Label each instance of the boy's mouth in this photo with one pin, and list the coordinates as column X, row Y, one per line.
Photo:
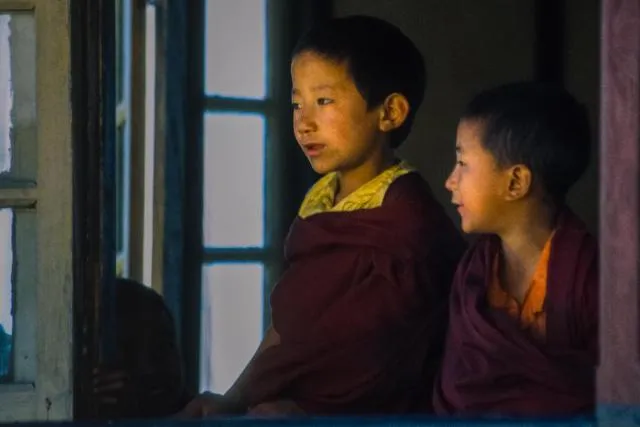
column 312, row 149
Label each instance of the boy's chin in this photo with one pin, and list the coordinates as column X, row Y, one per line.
column 468, row 227
column 321, row 168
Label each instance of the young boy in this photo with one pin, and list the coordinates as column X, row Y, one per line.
column 358, row 315
column 522, row 337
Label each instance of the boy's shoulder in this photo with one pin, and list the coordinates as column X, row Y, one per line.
column 413, row 194
column 412, row 202
column 409, row 186
column 571, row 242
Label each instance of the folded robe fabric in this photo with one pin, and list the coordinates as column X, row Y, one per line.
column 361, row 308
column 493, row 367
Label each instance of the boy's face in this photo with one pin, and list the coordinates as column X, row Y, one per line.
column 331, row 121
column 477, row 183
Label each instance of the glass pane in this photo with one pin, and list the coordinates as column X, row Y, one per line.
column 232, row 326
column 149, row 140
column 17, row 95
column 6, row 293
column 120, row 40
column 235, row 47
column 233, row 180
column 6, row 94
column 120, row 193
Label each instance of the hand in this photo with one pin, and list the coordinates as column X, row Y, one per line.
column 122, row 394
column 276, row 408
column 114, row 391
column 205, row 405
column 108, row 384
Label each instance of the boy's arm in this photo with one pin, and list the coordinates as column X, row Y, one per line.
column 277, row 408
column 235, row 399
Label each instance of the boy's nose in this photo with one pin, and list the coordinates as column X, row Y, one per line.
column 305, row 124
column 450, row 182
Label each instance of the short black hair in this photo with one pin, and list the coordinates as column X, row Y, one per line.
column 142, row 303
column 540, row 125
column 380, row 58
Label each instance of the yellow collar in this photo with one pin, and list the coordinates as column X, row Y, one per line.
column 321, row 196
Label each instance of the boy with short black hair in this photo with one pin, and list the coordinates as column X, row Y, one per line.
column 522, row 337
column 358, row 315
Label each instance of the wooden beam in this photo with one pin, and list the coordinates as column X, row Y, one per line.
column 18, row 402
column 56, row 200
column 18, row 198
column 7, row 6
column 93, row 110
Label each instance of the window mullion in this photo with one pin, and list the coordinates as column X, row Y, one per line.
column 226, row 104
column 18, row 197
column 54, row 254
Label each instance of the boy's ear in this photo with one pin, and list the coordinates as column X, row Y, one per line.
column 519, row 182
column 394, row 112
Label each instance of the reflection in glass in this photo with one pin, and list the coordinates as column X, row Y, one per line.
column 232, row 309
column 149, row 140
column 6, row 93
column 18, row 129
column 235, row 48
column 120, row 40
column 6, row 292
column 233, row 180
column 120, row 191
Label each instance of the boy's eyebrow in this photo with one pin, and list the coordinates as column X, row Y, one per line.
column 322, row 87
column 316, row 88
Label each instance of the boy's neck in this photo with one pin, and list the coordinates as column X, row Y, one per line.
column 522, row 244
column 352, row 179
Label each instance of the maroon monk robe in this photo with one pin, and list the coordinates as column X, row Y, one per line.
column 492, row 367
column 361, row 309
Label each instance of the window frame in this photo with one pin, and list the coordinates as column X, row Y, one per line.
column 49, row 395
column 125, row 11
column 136, row 200
column 287, row 174
column 178, row 171
column 270, row 108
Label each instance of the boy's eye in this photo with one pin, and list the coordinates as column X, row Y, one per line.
column 460, row 163
column 324, row 101
column 295, row 105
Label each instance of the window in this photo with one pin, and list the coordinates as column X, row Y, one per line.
column 35, row 212
column 234, row 208
column 232, row 320
column 6, row 215
column 135, row 161
column 148, row 184
column 123, row 134
column 6, row 288
column 17, row 126
column 238, row 121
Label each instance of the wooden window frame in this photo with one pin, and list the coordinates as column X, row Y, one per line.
column 287, row 173
column 131, row 115
column 46, row 389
